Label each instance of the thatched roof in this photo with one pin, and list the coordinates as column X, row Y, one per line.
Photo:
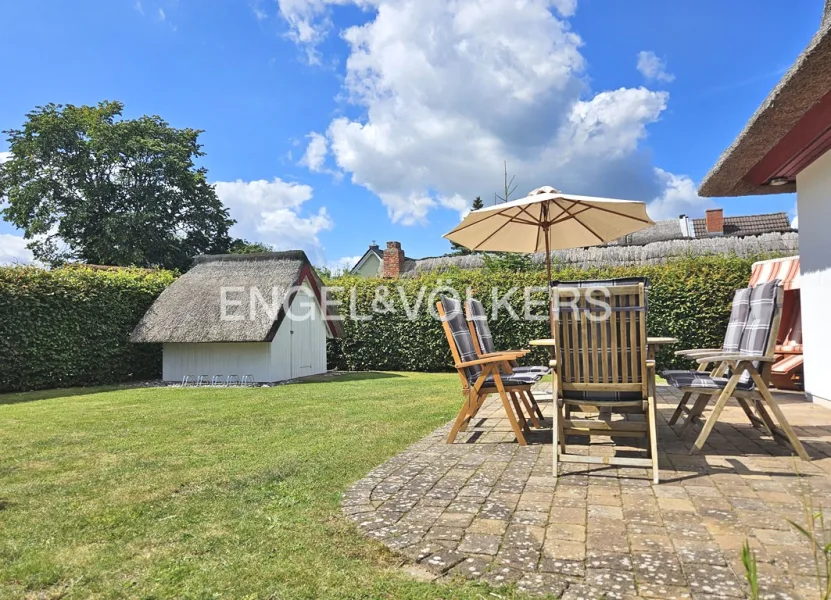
column 189, row 309
column 805, row 84
column 615, row 256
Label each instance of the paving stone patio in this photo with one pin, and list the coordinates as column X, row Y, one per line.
column 486, row 508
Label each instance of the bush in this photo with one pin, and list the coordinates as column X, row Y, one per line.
column 68, row 327
column 689, row 299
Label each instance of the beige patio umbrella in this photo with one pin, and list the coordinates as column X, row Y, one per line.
column 547, row 220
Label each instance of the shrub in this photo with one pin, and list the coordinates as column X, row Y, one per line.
column 70, row 326
column 689, row 299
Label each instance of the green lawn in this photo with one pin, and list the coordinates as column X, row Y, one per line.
column 206, row 493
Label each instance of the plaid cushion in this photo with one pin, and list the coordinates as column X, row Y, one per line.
column 757, row 330
column 608, row 283
column 511, row 380
column 738, row 318
column 601, row 396
column 461, row 335
column 701, row 380
column 476, row 313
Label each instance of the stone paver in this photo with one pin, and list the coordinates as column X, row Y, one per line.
column 486, row 509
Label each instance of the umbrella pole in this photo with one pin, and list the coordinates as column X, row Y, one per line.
column 548, row 281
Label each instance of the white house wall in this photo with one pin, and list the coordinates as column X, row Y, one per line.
column 814, row 208
column 299, row 347
column 240, row 358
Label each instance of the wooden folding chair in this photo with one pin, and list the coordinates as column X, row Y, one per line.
column 749, row 374
column 481, row 376
column 480, row 332
column 602, row 368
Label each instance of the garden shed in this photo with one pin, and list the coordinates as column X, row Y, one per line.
column 250, row 314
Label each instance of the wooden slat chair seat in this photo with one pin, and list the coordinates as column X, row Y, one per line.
column 485, row 375
column 480, row 332
column 602, row 366
column 744, row 374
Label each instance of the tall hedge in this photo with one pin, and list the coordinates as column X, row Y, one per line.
column 69, row 327
column 689, row 299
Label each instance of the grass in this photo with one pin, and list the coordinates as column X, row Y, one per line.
column 207, row 493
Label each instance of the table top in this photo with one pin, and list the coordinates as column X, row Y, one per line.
column 653, row 341
column 660, row 341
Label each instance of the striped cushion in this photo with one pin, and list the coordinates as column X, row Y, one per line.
column 701, row 380
column 461, row 335
column 476, row 313
column 738, row 318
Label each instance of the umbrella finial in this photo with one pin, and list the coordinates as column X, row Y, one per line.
column 546, row 189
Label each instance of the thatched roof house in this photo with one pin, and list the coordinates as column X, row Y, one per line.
column 259, row 314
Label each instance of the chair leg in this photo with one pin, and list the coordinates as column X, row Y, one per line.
column 780, row 416
column 509, row 412
column 534, row 404
column 701, row 402
column 748, row 412
column 680, row 409
column 653, row 439
column 529, row 409
column 713, row 418
column 461, row 418
column 557, row 441
column 523, row 422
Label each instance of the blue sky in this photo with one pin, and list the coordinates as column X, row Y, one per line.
column 332, row 123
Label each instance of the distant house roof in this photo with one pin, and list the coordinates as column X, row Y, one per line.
column 190, row 311
column 748, row 225
column 793, row 112
column 373, row 250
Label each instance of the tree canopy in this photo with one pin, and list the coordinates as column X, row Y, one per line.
column 85, row 184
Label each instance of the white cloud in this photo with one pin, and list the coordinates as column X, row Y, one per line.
column 343, row 264
column 272, row 212
column 678, row 198
column 316, row 152
column 653, row 67
column 447, row 91
column 162, row 16
column 4, row 156
column 13, row 250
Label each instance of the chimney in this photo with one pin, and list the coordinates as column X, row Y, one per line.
column 714, row 220
column 687, row 230
column 393, row 260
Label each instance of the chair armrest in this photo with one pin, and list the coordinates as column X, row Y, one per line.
column 734, row 358
column 691, row 353
column 489, row 354
column 495, row 358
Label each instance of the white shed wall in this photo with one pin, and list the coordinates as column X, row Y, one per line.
column 814, row 208
column 241, row 358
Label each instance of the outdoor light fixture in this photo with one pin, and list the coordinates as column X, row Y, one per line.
column 779, row 181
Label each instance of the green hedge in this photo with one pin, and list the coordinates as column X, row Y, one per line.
column 688, row 299
column 68, row 327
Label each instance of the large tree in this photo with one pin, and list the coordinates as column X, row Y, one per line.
column 85, row 184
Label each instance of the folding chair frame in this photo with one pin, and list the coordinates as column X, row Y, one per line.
column 475, row 394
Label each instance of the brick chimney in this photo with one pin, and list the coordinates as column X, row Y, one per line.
column 714, row 221
column 393, row 260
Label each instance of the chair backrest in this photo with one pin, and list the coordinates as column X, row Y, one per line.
column 458, row 336
column 738, row 319
column 600, row 339
column 479, row 328
column 762, row 326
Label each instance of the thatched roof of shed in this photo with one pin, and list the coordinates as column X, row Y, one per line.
column 805, row 84
column 189, row 310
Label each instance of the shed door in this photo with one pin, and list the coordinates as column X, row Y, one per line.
column 302, row 335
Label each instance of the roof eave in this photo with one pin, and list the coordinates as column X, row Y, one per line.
column 762, row 133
